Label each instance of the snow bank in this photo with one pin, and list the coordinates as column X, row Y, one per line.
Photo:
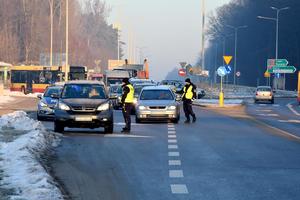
column 20, row 94
column 6, row 99
column 20, row 157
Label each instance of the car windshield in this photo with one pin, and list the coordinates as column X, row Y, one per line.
column 156, row 95
column 264, row 89
column 83, row 91
column 138, row 89
column 52, row 90
column 115, row 89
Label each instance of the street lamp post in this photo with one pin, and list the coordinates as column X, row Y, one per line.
column 235, row 28
column 67, row 41
column 278, row 10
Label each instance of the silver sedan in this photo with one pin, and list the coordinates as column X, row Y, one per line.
column 157, row 103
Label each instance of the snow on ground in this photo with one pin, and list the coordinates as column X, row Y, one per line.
column 215, row 102
column 5, row 99
column 23, row 141
column 19, row 94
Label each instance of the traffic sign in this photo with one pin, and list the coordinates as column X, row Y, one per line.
column 228, row 69
column 281, row 62
column 181, row 72
column 227, row 59
column 221, row 71
column 238, row 74
column 283, row 69
column 183, row 64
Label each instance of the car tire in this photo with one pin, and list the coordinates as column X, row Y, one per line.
column 272, row 101
column 58, row 127
column 109, row 128
column 39, row 118
column 175, row 121
column 255, row 101
column 23, row 90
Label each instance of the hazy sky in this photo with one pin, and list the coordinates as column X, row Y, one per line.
column 168, row 30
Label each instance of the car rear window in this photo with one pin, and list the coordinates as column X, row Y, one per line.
column 156, row 95
column 264, row 89
column 83, row 91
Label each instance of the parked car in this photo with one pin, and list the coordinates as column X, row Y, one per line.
column 47, row 103
column 157, row 103
column 115, row 94
column 83, row 104
column 200, row 93
column 264, row 93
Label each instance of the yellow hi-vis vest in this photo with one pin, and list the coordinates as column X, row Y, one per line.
column 188, row 93
column 130, row 95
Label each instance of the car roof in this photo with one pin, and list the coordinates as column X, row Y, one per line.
column 144, row 84
column 85, row 82
column 157, row 87
column 55, row 86
column 264, row 87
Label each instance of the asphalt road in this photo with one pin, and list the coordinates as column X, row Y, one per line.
column 227, row 154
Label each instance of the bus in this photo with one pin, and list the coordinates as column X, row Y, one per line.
column 31, row 79
column 78, row 73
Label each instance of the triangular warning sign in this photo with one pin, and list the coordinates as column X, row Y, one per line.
column 227, row 59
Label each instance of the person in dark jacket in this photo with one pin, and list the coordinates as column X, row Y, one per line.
column 127, row 103
column 188, row 95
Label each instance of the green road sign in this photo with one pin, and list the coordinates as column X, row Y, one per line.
column 281, row 62
column 283, row 70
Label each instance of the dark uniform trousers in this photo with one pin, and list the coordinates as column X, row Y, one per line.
column 126, row 110
column 188, row 109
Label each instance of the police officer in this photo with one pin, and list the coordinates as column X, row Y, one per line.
column 189, row 93
column 127, row 102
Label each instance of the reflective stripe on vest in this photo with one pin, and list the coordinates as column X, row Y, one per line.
column 130, row 95
column 188, row 94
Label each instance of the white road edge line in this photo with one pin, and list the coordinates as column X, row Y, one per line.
column 289, row 105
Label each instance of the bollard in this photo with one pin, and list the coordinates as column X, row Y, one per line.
column 221, row 99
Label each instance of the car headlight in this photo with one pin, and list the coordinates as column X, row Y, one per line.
column 63, row 106
column 172, row 107
column 103, row 107
column 135, row 100
column 142, row 107
column 43, row 104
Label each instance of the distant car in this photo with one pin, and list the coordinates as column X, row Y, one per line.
column 115, row 94
column 200, row 93
column 47, row 103
column 141, row 81
column 83, row 104
column 175, row 85
column 264, row 93
column 157, row 103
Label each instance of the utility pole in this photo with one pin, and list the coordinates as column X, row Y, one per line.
column 67, row 41
column 235, row 28
column 51, row 34
column 203, row 36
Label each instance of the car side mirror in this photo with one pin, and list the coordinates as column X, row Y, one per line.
column 39, row 96
column 112, row 96
column 55, row 96
column 178, row 98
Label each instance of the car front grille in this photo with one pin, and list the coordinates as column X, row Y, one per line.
column 157, row 107
column 83, row 109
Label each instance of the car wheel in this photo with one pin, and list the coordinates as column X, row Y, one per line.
column 39, row 118
column 23, row 90
column 255, row 101
column 272, row 101
column 58, row 127
column 175, row 121
column 109, row 128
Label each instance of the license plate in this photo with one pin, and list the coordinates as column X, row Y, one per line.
column 83, row 119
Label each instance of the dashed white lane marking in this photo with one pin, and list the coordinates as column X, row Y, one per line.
column 174, row 162
column 172, row 146
column 133, row 124
column 173, row 154
column 171, row 132
column 175, row 173
column 262, row 104
column 292, row 109
column 269, row 115
column 276, row 105
column 179, row 189
column 263, row 110
column 172, row 141
column 171, row 129
column 290, row 121
column 172, row 136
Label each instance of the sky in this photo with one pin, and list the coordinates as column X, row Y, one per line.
column 166, row 32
